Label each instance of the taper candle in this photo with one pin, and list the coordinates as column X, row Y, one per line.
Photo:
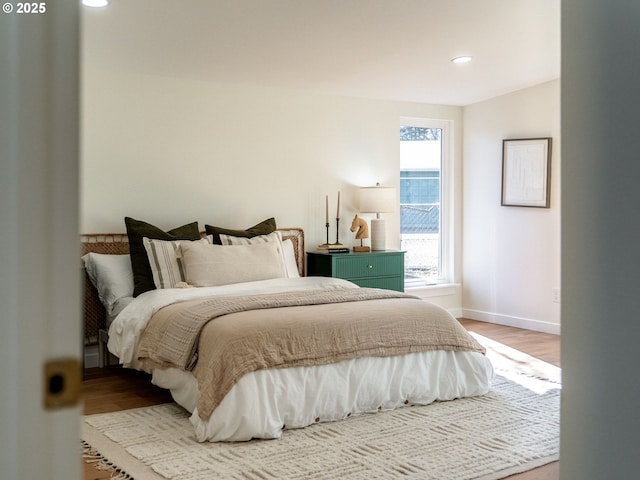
column 326, row 208
column 338, row 209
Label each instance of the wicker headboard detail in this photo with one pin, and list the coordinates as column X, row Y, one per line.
column 118, row 244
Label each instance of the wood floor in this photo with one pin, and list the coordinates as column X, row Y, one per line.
column 112, row 388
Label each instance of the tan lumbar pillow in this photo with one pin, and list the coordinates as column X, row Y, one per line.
column 211, row 265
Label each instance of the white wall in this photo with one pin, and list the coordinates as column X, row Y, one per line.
column 170, row 151
column 511, row 255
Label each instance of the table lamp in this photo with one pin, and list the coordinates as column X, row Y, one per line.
column 378, row 200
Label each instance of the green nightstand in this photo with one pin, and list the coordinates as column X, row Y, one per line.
column 378, row 269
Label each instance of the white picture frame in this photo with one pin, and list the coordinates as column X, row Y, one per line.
column 526, row 172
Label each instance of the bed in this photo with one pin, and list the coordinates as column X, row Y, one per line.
column 255, row 357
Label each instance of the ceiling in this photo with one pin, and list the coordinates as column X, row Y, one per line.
column 384, row 49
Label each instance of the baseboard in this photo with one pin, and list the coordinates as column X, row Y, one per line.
column 510, row 321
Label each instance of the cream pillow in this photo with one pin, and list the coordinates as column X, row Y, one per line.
column 211, row 265
column 166, row 268
column 288, row 254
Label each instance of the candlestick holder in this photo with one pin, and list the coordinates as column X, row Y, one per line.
column 333, row 247
column 327, row 227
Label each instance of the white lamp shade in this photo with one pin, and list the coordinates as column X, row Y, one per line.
column 377, row 200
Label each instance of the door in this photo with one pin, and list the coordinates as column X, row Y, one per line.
column 39, row 252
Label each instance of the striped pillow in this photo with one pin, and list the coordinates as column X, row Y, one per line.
column 166, row 267
column 232, row 240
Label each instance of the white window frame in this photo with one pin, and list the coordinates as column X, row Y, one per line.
column 446, row 200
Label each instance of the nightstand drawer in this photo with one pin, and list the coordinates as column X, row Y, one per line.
column 390, row 283
column 370, row 265
column 378, row 269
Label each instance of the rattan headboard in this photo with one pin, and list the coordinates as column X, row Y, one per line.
column 95, row 316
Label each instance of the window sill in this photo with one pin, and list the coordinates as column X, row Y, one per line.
column 440, row 290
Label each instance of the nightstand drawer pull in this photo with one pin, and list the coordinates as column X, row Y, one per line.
column 369, row 266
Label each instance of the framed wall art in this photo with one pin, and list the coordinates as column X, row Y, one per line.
column 526, row 172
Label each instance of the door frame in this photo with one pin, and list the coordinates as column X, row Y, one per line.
column 40, row 304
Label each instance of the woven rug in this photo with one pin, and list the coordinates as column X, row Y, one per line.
column 514, row 428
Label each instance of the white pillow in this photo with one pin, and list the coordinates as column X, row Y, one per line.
column 288, row 253
column 166, row 268
column 111, row 275
column 212, row 265
column 290, row 259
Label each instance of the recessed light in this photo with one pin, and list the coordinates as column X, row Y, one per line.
column 462, row 59
column 95, row 3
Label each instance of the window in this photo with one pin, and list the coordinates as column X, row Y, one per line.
column 423, row 222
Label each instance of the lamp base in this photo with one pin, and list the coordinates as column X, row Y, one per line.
column 378, row 234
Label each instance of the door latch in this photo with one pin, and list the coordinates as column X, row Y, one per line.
column 62, row 380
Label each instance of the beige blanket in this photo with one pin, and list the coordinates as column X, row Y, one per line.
column 289, row 329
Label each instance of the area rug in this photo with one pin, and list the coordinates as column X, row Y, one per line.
column 514, row 428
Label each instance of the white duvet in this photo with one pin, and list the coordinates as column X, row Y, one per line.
column 265, row 402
